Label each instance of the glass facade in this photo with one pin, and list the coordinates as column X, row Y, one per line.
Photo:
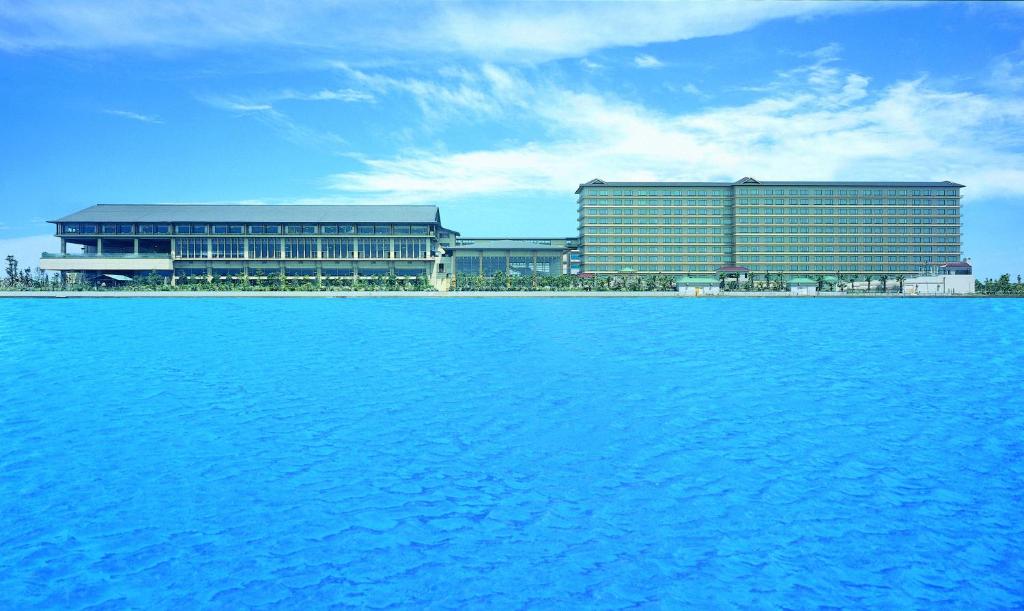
column 410, row 248
column 797, row 229
column 300, row 248
column 190, row 248
column 337, row 248
column 374, row 248
column 264, row 248
column 227, row 248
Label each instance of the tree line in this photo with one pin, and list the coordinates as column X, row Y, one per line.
column 999, row 286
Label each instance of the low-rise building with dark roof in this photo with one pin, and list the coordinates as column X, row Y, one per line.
column 246, row 241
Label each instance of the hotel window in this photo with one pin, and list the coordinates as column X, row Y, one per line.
column 70, row 228
column 264, row 248
column 374, row 248
column 190, row 248
column 365, row 229
column 227, row 248
column 300, row 248
column 108, row 228
column 328, row 229
column 145, row 229
column 419, row 229
column 336, row 248
column 382, row 229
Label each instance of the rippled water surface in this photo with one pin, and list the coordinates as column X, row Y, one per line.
column 511, row 453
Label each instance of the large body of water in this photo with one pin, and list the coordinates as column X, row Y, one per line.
column 511, row 453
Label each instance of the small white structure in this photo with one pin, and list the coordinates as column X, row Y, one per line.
column 803, row 286
column 952, row 279
column 695, row 286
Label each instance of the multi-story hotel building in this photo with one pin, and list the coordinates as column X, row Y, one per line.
column 781, row 227
column 236, row 241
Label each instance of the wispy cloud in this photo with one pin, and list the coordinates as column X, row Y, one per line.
column 237, row 105
column 492, row 31
column 647, row 61
column 134, row 116
column 326, row 95
column 452, row 93
column 823, row 124
column 280, row 121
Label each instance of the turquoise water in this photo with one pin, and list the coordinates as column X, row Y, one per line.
column 511, row 453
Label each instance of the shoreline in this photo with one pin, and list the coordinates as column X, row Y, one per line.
column 455, row 295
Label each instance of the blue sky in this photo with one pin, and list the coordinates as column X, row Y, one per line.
column 496, row 112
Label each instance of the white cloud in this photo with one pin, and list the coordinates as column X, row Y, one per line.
column 134, row 116
column 647, row 61
column 1008, row 74
column 237, row 105
column 335, row 95
column 280, row 121
column 492, row 31
column 817, row 123
column 590, row 65
column 456, row 93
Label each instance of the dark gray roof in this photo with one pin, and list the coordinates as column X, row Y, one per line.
column 854, row 183
column 746, row 180
column 243, row 213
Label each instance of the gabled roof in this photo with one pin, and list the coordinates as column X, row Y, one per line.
column 746, row 180
column 246, row 213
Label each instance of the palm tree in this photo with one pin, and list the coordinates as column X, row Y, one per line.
column 869, row 278
column 885, row 282
column 901, row 278
column 821, row 281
